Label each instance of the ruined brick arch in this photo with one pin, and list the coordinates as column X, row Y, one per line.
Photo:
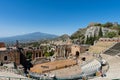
column 40, row 54
column 37, row 54
column 34, row 53
column 5, row 58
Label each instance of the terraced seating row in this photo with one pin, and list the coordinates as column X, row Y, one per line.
column 116, row 47
column 96, row 49
column 113, row 50
column 104, row 44
column 91, row 67
column 100, row 47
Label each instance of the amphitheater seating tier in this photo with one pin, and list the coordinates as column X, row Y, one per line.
column 114, row 50
column 100, row 46
column 91, row 67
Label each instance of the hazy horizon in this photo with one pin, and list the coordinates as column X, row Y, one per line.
column 27, row 34
column 18, row 17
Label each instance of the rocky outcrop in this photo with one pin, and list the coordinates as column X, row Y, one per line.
column 94, row 30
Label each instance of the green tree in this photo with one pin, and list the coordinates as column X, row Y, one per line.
column 48, row 54
column 51, row 53
column 90, row 40
column 29, row 55
column 110, row 34
column 87, row 39
column 108, row 24
column 119, row 32
column 100, row 33
column 98, row 24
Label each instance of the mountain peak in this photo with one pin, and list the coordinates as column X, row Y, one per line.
column 29, row 37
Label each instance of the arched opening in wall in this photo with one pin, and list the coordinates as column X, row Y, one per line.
column 77, row 54
column 66, row 53
column 5, row 58
column 86, row 49
column 37, row 55
column 83, row 59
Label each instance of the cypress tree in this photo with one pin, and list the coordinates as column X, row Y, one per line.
column 119, row 32
column 87, row 39
column 91, row 40
column 100, row 33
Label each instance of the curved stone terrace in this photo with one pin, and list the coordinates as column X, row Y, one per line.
column 71, row 71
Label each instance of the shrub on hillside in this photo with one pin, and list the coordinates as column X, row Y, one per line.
column 110, row 34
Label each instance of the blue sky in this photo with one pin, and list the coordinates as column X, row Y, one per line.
column 54, row 16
